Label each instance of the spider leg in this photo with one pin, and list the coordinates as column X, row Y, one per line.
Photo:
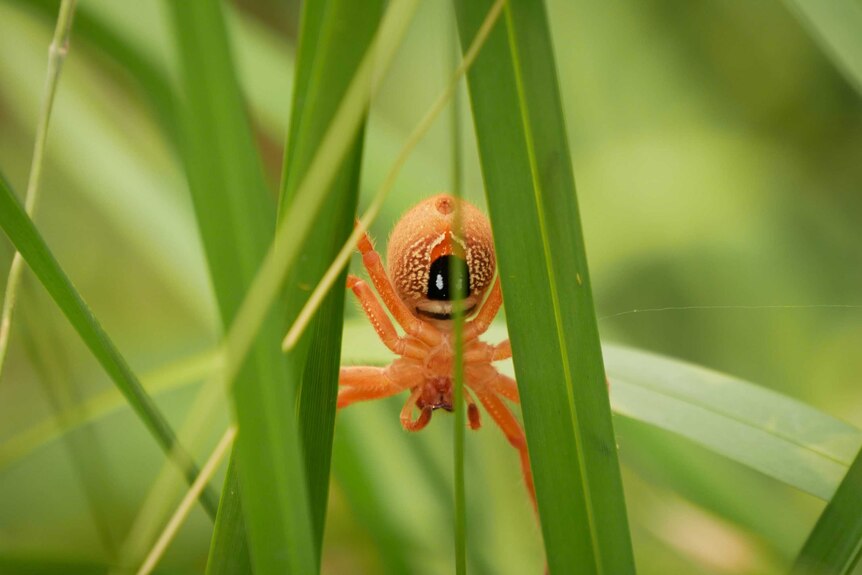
column 407, row 420
column 502, row 350
column 482, row 321
column 382, row 325
column 481, row 352
column 512, row 429
column 505, row 386
column 364, row 383
column 411, row 324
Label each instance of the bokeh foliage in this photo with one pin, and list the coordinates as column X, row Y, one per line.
column 716, row 150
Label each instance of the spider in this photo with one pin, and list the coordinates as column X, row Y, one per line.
column 419, row 295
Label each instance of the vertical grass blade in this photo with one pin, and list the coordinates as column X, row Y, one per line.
column 237, row 222
column 531, row 196
column 334, row 36
column 837, row 26
column 27, row 240
column 460, row 420
column 835, row 545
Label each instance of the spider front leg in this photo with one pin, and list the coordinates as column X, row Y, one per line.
column 406, row 347
column 486, row 314
column 411, row 324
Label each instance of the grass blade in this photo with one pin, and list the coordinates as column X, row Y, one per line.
column 237, row 221
column 528, row 178
column 334, row 36
column 21, row 231
column 835, row 544
column 837, row 26
column 229, row 546
column 776, row 435
column 460, row 420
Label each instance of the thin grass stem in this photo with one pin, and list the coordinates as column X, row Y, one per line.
column 456, row 272
column 185, row 507
column 57, row 52
column 362, row 225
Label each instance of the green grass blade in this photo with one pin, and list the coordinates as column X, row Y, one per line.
column 237, row 221
column 27, row 240
column 776, row 435
column 837, row 26
column 835, row 544
column 229, row 547
column 531, row 196
column 334, row 36
column 460, row 420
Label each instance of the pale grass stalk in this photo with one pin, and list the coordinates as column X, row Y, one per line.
column 188, row 501
column 57, row 52
column 341, row 260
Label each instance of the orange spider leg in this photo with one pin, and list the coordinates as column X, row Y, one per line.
column 364, row 383
column 407, row 420
column 505, row 386
column 512, row 429
column 411, row 324
column 480, row 324
column 480, row 352
column 407, row 347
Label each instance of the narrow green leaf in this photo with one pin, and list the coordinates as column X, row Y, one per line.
column 837, row 26
column 334, row 36
column 835, row 545
column 531, row 196
column 21, row 231
column 776, row 435
column 237, row 221
column 229, row 547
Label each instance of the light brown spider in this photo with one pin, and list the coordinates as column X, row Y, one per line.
column 419, row 296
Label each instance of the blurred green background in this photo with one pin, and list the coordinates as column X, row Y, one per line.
column 717, row 153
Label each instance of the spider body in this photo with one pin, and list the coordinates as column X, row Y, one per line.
column 419, row 292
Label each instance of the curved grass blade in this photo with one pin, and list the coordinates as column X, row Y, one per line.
column 835, row 545
column 774, row 434
column 334, row 37
column 20, row 229
column 531, row 196
column 837, row 26
column 236, row 217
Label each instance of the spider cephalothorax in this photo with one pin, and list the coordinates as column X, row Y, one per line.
column 420, row 297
